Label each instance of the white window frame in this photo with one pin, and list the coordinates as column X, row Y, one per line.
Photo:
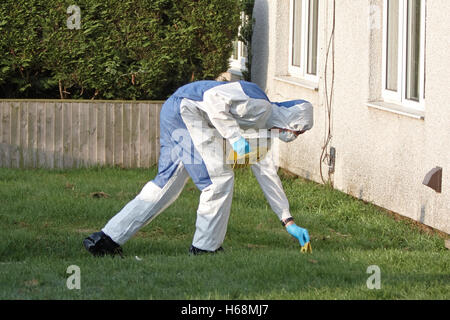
column 240, row 64
column 399, row 96
column 295, row 71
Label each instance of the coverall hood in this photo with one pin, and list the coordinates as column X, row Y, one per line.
column 299, row 117
column 253, row 113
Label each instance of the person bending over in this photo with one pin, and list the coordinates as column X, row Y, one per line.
column 194, row 122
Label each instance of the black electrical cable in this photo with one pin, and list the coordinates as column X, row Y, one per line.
column 329, row 98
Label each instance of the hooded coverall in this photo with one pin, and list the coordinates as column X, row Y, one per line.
column 194, row 121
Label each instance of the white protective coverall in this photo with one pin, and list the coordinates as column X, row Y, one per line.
column 193, row 123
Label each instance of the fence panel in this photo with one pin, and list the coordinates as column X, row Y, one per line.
column 75, row 134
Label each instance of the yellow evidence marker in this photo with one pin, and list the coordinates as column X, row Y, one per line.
column 307, row 248
column 244, row 161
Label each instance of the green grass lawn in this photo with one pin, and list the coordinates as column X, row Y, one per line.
column 44, row 216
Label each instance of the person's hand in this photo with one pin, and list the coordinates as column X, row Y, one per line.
column 241, row 147
column 299, row 233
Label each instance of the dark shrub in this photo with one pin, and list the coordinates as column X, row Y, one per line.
column 129, row 49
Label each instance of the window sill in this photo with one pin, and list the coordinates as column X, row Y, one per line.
column 397, row 109
column 299, row 82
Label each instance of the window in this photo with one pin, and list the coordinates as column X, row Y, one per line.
column 303, row 44
column 404, row 52
column 239, row 56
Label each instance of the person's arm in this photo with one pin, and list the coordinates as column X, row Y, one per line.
column 217, row 102
column 266, row 174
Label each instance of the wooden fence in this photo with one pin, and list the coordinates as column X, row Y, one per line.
column 75, row 134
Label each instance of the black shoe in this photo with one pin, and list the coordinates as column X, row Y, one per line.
column 196, row 251
column 99, row 244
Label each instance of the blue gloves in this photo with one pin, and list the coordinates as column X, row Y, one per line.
column 299, row 233
column 241, row 147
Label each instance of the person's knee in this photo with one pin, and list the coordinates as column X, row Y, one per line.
column 221, row 186
column 224, row 182
column 150, row 192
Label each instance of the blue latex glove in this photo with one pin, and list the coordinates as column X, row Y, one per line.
column 299, row 233
column 241, row 147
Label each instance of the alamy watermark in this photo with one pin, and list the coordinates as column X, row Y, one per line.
column 375, row 17
column 74, row 21
column 193, row 145
column 74, row 280
column 374, row 281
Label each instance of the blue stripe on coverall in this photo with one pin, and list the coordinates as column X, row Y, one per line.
column 171, row 120
column 178, row 148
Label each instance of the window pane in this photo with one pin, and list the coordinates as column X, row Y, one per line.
column 244, row 51
column 243, row 47
column 392, row 45
column 297, row 34
column 235, row 55
column 413, row 50
column 312, row 36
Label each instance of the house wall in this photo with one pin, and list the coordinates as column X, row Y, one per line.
column 382, row 156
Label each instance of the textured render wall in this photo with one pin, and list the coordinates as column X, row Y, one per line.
column 271, row 40
column 437, row 119
column 382, row 157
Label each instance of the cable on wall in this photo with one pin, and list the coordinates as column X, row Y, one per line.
column 329, row 95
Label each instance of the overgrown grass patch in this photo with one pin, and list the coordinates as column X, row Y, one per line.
column 44, row 216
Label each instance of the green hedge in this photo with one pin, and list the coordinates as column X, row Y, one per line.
column 139, row 49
